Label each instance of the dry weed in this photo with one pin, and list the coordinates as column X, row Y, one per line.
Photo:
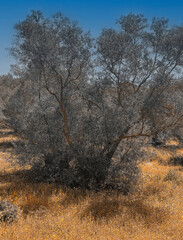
column 154, row 211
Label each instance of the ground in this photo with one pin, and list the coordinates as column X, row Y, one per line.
column 153, row 211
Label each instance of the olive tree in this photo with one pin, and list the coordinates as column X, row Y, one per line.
column 87, row 107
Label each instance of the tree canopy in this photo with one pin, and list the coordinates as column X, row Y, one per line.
column 87, row 106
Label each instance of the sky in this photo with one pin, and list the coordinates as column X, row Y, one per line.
column 91, row 15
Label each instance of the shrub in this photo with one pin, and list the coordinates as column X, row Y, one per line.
column 8, row 211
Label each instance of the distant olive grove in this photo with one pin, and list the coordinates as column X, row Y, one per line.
column 85, row 107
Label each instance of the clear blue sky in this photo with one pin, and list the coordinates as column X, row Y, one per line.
column 92, row 15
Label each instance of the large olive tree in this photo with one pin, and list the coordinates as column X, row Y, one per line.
column 88, row 109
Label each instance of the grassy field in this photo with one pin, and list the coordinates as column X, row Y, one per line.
column 153, row 211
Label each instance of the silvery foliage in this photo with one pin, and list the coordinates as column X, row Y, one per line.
column 148, row 59
column 89, row 117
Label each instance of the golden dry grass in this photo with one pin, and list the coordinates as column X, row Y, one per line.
column 153, row 211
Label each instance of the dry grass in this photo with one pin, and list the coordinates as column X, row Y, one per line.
column 154, row 211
